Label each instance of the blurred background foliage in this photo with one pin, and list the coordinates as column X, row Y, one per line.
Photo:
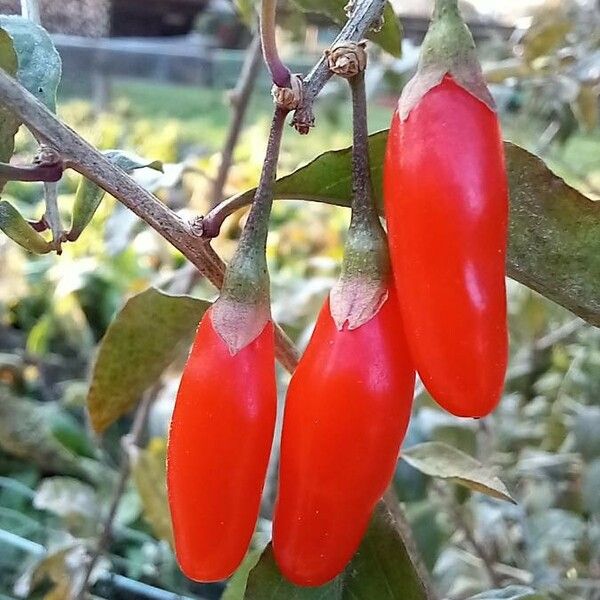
column 57, row 479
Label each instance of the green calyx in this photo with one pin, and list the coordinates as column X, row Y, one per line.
column 243, row 309
column 448, row 39
column 366, row 253
column 448, row 49
column 362, row 287
column 247, row 278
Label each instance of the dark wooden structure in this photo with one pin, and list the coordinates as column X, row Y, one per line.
column 115, row 18
column 153, row 18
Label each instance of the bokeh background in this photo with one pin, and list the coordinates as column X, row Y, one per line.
column 153, row 77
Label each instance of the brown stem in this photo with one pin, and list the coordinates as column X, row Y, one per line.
column 84, row 158
column 393, row 504
column 240, row 99
column 31, row 172
column 133, row 439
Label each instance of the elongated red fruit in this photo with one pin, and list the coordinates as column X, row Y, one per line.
column 446, row 206
column 346, row 412
column 219, row 446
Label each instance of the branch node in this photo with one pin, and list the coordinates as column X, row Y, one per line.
column 196, row 226
column 46, row 156
column 289, row 98
column 347, row 58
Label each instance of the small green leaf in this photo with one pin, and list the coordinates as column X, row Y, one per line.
column 89, row 195
column 9, row 124
column 140, row 343
column 18, row 230
column 129, row 161
column 389, row 37
column 512, row 592
column 554, row 237
column 380, row 569
column 440, row 460
column 39, row 62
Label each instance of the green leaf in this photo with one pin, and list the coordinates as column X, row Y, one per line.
column 437, row 459
column 149, row 474
column 89, row 195
column 236, row 585
column 140, row 343
column 512, row 592
column 9, row 124
column 380, row 569
column 68, row 431
column 266, row 582
column 18, row 230
column 39, row 62
column 26, row 433
column 389, row 37
column 554, row 238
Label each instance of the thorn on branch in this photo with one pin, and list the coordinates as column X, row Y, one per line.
column 47, row 156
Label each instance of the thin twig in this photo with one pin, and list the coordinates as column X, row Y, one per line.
column 393, row 504
column 31, row 172
column 240, row 100
column 457, row 516
column 132, row 439
column 280, row 74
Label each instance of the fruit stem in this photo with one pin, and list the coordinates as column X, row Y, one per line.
column 365, row 232
column 246, row 277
